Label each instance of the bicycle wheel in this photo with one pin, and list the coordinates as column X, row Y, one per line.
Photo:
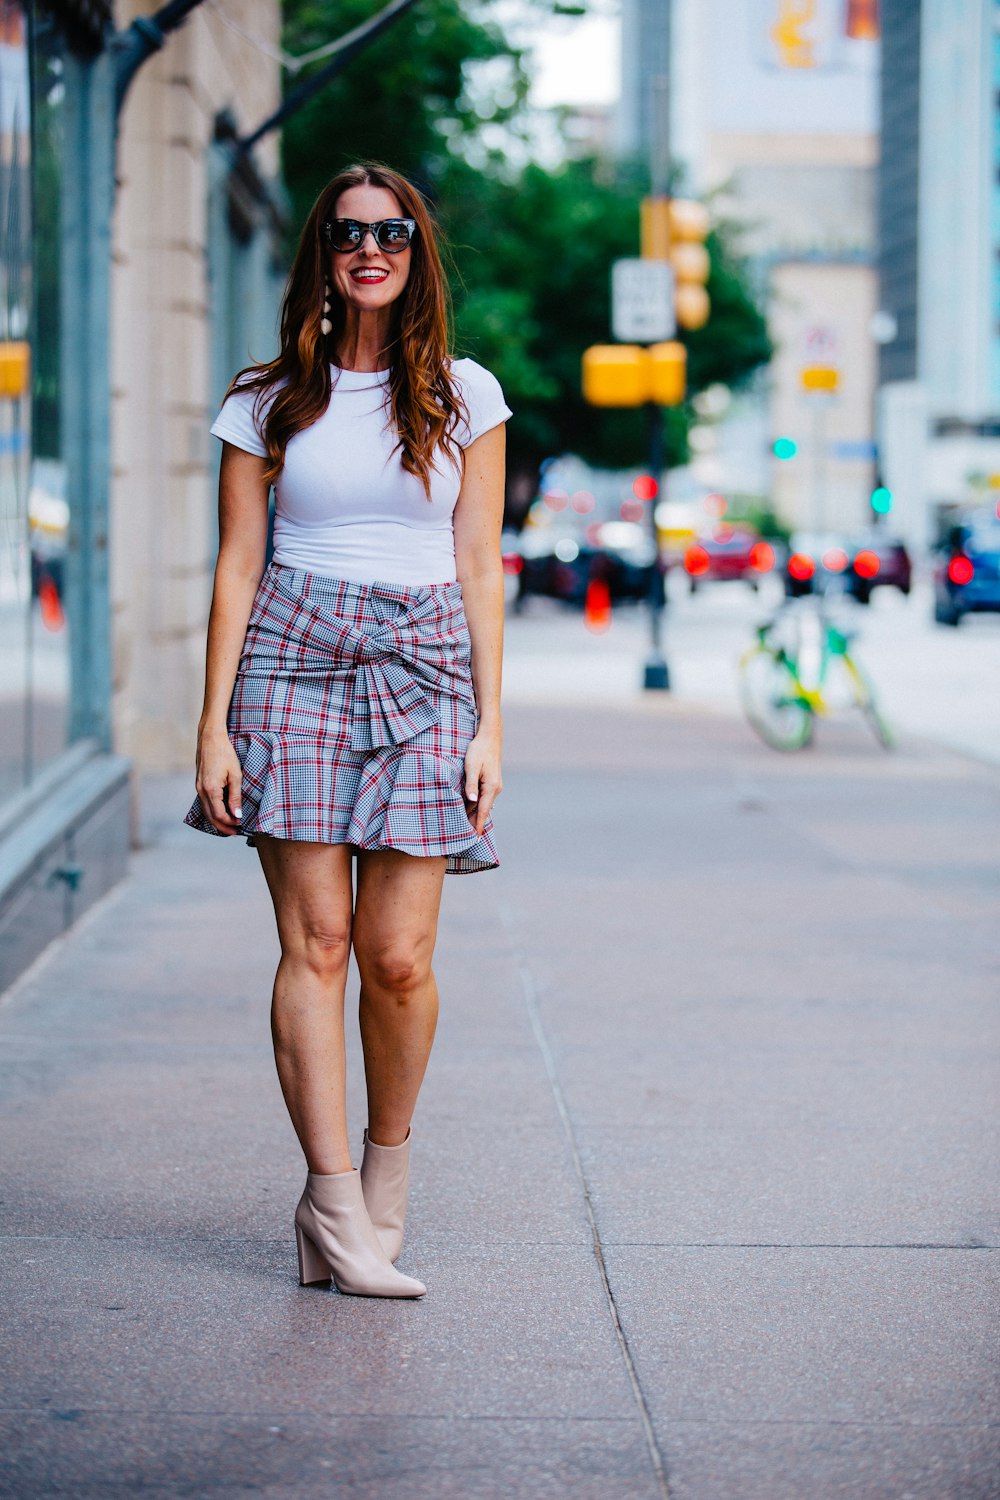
column 864, row 697
column 772, row 700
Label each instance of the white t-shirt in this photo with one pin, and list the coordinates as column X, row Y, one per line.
column 344, row 505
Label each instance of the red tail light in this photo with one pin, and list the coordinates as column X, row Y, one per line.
column 597, row 606
column 49, row 604
column 801, row 566
column 696, row 560
column 866, row 563
column 835, row 560
column 762, row 557
column 512, row 563
column 961, row 570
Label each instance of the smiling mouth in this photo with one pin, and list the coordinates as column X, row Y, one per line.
column 372, row 274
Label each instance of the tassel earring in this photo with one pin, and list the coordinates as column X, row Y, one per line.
column 325, row 323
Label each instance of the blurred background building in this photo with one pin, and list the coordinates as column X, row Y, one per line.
column 939, row 254
column 773, row 114
column 858, row 145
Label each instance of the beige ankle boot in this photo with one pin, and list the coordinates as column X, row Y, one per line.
column 335, row 1237
column 385, row 1178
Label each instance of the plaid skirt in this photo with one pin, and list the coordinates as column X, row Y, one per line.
column 351, row 713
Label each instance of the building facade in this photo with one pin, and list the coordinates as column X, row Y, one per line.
column 939, row 265
column 142, row 267
column 773, row 113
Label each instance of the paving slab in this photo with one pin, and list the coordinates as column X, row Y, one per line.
column 315, row 1455
column 841, row 1461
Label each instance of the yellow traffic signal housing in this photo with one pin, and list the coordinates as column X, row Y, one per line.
column 628, row 375
column 689, row 220
column 15, row 367
column 690, row 262
column 674, row 229
column 654, row 228
column 691, row 305
column 668, row 373
column 615, row 375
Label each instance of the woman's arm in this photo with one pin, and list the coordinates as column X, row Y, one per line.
column 242, row 549
column 478, row 519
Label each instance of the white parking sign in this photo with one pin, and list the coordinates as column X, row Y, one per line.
column 642, row 301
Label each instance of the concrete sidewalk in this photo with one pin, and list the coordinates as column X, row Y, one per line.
column 704, row 1168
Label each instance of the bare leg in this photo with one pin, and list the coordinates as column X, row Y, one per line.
column 395, row 927
column 310, row 886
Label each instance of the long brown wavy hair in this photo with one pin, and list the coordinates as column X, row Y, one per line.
column 425, row 401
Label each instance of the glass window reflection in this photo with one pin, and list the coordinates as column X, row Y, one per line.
column 34, row 505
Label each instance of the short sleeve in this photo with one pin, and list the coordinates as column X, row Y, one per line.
column 483, row 397
column 235, row 423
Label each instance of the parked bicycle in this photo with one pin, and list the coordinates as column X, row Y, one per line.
column 799, row 668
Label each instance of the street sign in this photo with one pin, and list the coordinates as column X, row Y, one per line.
column 642, row 301
column 820, row 345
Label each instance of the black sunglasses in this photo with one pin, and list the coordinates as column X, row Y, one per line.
column 391, row 235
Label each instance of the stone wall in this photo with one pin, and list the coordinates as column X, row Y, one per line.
column 164, row 467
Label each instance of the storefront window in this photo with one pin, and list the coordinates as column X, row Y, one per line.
column 34, row 505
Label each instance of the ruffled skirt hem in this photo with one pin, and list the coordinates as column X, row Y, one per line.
column 406, row 799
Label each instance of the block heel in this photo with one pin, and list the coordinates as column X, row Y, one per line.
column 313, row 1266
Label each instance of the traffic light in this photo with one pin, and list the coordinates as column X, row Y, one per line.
column 881, row 499
column 674, row 229
column 689, row 258
column 785, row 448
column 631, row 375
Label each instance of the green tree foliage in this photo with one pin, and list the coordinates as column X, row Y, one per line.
column 532, row 249
column 403, row 99
column 533, row 291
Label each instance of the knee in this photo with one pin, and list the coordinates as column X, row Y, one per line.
column 397, row 972
column 323, row 950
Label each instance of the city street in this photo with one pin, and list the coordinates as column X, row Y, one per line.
column 933, row 681
column 704, row 1166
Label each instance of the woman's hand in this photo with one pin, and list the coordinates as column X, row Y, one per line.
column 483, row 783
column 219, row 777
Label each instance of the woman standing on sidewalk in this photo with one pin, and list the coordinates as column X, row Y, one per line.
column 352, row 695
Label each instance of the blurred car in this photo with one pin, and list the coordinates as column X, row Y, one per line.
column 561, row 564
column 726, row 553
column 813, row 561
column 877, row 559
column 967, row 569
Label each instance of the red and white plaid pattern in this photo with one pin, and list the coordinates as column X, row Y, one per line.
column 351, row 714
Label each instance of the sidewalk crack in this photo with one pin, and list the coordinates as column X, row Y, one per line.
column 529, row 993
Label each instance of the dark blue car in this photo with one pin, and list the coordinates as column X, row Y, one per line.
column 967, row 573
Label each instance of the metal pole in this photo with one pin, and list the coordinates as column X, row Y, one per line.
column 86, row 204
column 656, row 673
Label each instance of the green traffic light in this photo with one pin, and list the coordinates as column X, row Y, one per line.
column 785, row 448
column 882, row 500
